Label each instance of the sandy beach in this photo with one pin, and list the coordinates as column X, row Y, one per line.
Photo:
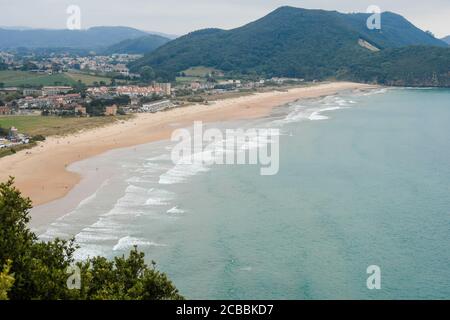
column 41, row 173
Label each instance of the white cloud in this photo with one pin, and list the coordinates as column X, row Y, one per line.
column 181, row 16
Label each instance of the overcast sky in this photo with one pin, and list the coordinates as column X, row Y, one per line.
column 182, row 16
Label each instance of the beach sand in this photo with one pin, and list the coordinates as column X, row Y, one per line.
column 40, row 173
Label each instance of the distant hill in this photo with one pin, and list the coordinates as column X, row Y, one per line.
column 139, row 45
column 396, row 31
column 406, row 66
column 164, row 35
column 293, row 42
column 446, row 39
column 92, row 38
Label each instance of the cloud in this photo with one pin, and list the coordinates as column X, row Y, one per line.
column 182, row 16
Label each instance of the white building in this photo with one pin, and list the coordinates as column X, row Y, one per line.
column 52, row 91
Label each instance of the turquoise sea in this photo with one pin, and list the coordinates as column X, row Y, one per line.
column 364, row 180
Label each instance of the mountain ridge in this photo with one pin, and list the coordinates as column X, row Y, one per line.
column 141, row 45
column 92, row 38
column 446, row 40
column 292, row 42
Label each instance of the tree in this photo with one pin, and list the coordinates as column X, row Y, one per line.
column 152, row 98
column 29, row 66
column 6, row 281
column 39, row 269
column 124, row 279
column 147, row 73
column 3, row 132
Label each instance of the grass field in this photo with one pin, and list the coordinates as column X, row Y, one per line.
column 87, row 79
column 189, row 79
column 196, row 74
column 199, row 71
column 21, row 78
column 50, row 126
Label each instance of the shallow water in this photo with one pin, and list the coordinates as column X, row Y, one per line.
column 364, row 180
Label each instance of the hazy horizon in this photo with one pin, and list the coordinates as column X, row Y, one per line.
column 177, row 18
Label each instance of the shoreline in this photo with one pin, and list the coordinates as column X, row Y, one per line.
column 42, row 174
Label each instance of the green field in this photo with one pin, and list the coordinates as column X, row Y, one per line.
column 87, row 79
column 199, row 71
column 49, row 126
column 189, row 79
column 197, row 74
column 22, row 78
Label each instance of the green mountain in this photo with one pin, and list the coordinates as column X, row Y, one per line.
column 446, row 39
column 406, row 66
column 293, row 42
column 139, row 45
column 92, row 38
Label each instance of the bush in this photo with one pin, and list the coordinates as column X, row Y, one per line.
column 196, row 99
column 6, row 281
column 37, row 138
column 3, row 132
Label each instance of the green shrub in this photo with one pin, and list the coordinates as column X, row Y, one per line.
column 40, row 268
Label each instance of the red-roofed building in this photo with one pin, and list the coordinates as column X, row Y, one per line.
column 4, row 110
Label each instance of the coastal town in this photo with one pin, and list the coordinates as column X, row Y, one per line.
column 115, row 92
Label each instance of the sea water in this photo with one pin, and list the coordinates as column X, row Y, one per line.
column 364, row 180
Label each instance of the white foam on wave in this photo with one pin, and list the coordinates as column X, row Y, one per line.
column 175, row 210
column 375, row 91
column 184, row 169
column 316, row 115
column 102, row 230
column 341, row 102
column 56, row 229
column 134, row 196
column 94, row 236
column 112, row 226
column 159, row 197
column 129, row 242
column 151, row 166
column 215, row 152
column 89, row 251
column 297, row 114
column 161, row 157
column 142, row 178
column 312, row 111
column 181, row 172
column 53, row 233
column 136, row 180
